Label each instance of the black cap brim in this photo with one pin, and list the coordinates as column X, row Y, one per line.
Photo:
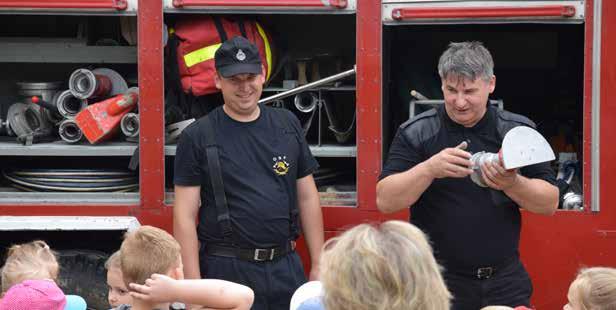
column 234, row 69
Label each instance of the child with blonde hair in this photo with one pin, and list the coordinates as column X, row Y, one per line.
column 28, row 280
column 118, row 292
column 29, row 261
column 593, row 289
column 389, row 266
column 152, row 268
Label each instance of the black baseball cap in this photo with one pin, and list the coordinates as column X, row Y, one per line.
column 236, row 56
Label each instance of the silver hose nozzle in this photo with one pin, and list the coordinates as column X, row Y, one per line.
column 69, row 105
column 478, row 159
column 82, row 83
column 306, row 102
column 130, row 125
column 69, row 131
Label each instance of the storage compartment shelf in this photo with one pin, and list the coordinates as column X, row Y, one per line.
column 11, row 196
column 56, row 51
column 333, row 151
column 60, row 148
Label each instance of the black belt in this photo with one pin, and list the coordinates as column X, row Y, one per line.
column 251, row 255
column 483, row 273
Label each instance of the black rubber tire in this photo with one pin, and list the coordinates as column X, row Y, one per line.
column 82, row 272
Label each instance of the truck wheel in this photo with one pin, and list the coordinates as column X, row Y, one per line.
column 82, row 272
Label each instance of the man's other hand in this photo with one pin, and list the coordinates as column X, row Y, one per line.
column 497, row 177
column 453, row 162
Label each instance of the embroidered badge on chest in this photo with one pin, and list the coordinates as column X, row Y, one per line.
column 281, row 166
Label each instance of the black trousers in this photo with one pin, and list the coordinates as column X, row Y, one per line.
column 510, row 286
column 273, row 282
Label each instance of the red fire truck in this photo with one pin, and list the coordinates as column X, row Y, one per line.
column 554, row 62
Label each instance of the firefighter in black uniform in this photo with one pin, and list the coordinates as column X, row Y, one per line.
column 475, row 230
column 244, row 171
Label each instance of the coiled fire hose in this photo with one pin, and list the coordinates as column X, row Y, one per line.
column 72, row 180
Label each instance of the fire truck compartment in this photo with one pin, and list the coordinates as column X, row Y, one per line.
column 539, row 70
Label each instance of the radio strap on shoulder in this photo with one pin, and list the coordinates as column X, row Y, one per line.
column 213, row 162
column 293, row 209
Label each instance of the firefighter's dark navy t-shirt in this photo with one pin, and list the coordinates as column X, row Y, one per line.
column 260, row 162
column 469, row 226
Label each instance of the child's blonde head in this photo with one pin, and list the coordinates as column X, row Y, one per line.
column 389, row 266
column 146, row 251
column 29, row 261
column 113, row 261
column 594, row 289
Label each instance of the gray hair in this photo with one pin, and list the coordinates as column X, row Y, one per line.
column 470, row 60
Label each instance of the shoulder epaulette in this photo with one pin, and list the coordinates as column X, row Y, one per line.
column 517, row 118
column 427, row 114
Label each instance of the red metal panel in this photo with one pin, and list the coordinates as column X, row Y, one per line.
column 151, row 144
column 338, row 219
column 66, row 210
column 554, row 248
column 65, row 4
column 258, row 3
column 479, row 12
column 341, row 218
column 607, row 181
column 368, row 98
column 161, row 218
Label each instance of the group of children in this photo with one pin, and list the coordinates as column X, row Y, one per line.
column 389, row 266
column 29, row 280
column 148, row 262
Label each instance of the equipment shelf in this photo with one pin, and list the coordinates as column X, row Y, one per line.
column 9, row 147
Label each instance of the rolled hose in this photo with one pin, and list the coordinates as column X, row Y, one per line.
column 72, row 180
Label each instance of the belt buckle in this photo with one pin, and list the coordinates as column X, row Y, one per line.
column 484, row 273
column 257, row 256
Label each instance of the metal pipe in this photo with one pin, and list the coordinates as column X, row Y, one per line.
column 308, row 86
column 69, row 131
column 417, row 95
column 306, row 102
column 478, row 159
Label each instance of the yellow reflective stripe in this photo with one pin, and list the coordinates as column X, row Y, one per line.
column 201, row 55
column 268, row 51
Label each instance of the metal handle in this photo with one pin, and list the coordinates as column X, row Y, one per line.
column 479, row 12
column 119, row 5
column 308, row 86
column 339, row 4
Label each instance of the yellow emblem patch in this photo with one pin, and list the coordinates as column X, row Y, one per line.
column 281, row 166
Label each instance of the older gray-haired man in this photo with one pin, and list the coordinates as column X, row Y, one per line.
column 475, row 230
